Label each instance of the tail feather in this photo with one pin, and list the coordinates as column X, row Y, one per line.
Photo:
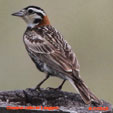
column 85, row 93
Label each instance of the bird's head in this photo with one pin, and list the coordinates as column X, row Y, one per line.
column 33, row 16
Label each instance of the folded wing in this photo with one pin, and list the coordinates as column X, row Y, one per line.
column 52, row 44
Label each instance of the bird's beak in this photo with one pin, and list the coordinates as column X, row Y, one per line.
column 19, row 13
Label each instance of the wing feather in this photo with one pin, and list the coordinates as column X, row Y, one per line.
column 48, row 41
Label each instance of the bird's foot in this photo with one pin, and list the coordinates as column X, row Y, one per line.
column 31, row 89
column 56, row 89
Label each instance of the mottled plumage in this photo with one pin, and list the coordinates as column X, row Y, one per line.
column 50, row 52
column 46, row 41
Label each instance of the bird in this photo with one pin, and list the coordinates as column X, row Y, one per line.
column 51, row 53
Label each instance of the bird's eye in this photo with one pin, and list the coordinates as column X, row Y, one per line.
column 30, row 11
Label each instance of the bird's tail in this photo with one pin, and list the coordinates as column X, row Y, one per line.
column 85, row 93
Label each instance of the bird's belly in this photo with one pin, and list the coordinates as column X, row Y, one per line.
column 43, row 67
column 53, row 72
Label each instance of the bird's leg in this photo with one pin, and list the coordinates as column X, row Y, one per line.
column 60, row 86
column 38, row 86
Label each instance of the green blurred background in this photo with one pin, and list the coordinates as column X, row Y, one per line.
column 86, row 24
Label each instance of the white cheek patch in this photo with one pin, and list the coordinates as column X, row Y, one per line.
column 37, row 16
column 30, row 19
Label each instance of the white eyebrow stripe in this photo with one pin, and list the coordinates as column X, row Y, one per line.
column 38, row 11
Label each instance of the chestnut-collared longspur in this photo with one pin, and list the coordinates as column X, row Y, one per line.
column 50, row 52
